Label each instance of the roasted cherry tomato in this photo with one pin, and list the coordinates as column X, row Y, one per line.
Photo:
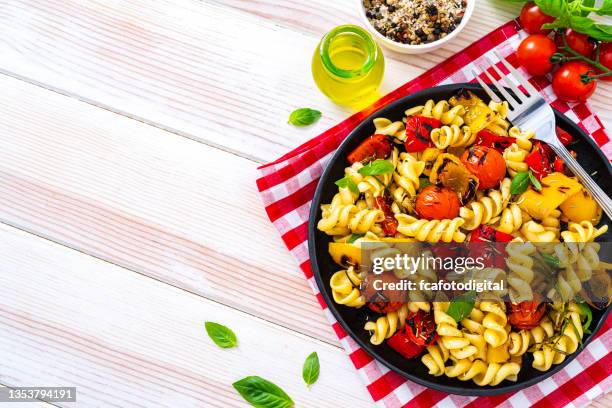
column 526, row 315
column 605, row 59
column 568, row 85
column 374, row 147
column 532, row 18
column 489, row 139
column 534, row 54
column 485, row 163
column 421, row 328
column 389, row 224
column 563, row 136
column 418, row 130
column 484, row 239
column 581, row 43
column 403, row 345
column 539, row 160
column 382, row 301
column 437, row 203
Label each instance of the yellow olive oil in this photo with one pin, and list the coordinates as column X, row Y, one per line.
column 348, row 66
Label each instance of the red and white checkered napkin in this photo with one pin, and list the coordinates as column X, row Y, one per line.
column 287, row 186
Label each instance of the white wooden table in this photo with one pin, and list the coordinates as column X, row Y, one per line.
column 131, row 132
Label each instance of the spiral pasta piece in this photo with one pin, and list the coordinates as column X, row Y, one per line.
column 364, row 220
column 386, row 326
column 523, row 138
column 531, row 231
column 520, row 342
column 494, row 322
column 582, row 232
column 385, row 127
column 435, row 359
column 520, row 266
column 511, row 219
column 430, row 230
column 337, row 214
column 407, row 173
column 441, row 111
column 451, row 337
column 345, row 288
column 452, row 136
column 486, row 208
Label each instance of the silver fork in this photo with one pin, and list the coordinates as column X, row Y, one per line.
column 530, row 111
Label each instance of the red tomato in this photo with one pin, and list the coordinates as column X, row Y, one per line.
column 389, row 225
column 374, row 147
column 421, row 328
column 568, row 85
column 560, row 167
column 526, row 315
column 437, row 203
column 534, row 54
column 418, row 130
column 581, row 43
column 403, row 345
column 485, row 233
column 605, row 59
column 485, row 163
column 564, row 136
column 532, row 18
column 539, row 160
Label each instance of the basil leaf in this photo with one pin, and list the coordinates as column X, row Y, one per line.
column 587, row 3
column 377, row 167
column 585, row 310
column 347, row 182
column 462, row 306
column 261, row 393
column 535, row 181
column 553, row 8
column 223, row 336
column 354, row 237
column 520, row 182
column 304, row 117
column 552, row 260
column 424, row 182
column 311, row 369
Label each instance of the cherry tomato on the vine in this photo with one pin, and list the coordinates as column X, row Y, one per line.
column 581, row 43
column 437, row 203
column 534, row 54
column 532, row 18
column 605, row 59
column 568, row 85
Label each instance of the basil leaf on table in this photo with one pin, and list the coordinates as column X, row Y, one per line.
column 223, row 336
column 304, row 117
column 311, row 369
column 261, row 393
column 462, row 306
column 377, row 167
column 347, row 182
column 520, row 182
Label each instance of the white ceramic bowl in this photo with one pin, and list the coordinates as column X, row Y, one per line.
column 420, row 48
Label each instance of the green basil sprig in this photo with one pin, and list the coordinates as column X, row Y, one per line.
column 354, row 237
column 377, row 167
column 521, row 182
column 311, row 369
column 347, row 182
column 223, row 336
column 461, row 306
column 304, row 117
column 552, row 260
column 261, row 393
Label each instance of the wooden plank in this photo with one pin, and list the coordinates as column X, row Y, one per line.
column 201, row 70
column 168, row 207
column 125, row 340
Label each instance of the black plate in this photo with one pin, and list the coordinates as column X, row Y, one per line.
column 352, row 320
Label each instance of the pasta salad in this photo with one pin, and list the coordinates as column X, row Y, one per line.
column 456, row 171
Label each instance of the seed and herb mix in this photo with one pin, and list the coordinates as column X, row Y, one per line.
column 415, row 21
